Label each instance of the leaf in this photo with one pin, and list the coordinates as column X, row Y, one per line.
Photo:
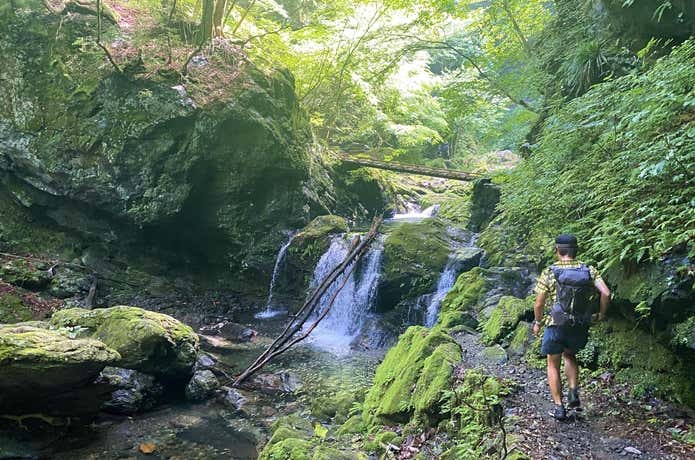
column 320, row 431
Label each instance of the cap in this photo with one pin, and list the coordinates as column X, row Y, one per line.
column 566, row 241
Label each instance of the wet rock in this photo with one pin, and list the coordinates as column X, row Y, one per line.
column 281, row 382
column 202, row 386
column 205, row 361
column 233, row 398
column 136, row 391
column 54, row 366
column 231, row 331
column 69, row 283
column 149, row 342
column 495, row 354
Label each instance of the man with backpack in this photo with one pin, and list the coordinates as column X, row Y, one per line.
column 568, row 288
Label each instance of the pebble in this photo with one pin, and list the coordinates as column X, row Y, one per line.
column 632, row 450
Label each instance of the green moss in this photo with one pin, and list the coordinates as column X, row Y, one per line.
column 334, row 406
column 533, row 355
column 504, row 318
column 468, row 291
column 329, row 453
column 12, row 309
column 640, row 360
column 684, row 334
column 147, row 341
column 410, row 380
column 377, row 442
column 288, row 449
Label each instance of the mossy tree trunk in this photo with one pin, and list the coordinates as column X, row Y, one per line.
column 212, row 20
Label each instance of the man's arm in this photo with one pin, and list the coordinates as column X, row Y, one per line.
column 605, row 297
column 538, row 308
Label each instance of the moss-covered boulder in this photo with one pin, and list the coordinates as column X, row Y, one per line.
column 639, row 359
column 410, row 381
column 414, row 256
column 149, row 342
column 12, row 309
column 38, row 366
column 520, row 339
column 508, row 312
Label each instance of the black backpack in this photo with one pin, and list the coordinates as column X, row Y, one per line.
column 575, row 299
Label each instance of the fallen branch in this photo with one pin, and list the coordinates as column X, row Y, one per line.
column 287, row 338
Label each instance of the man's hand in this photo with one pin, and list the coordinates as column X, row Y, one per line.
column 536, row 328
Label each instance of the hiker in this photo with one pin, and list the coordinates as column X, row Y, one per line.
column 568, row 287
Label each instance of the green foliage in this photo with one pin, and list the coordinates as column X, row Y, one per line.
column 474, row 408
column 640, row 360
column 12, row 309
column 617, row 163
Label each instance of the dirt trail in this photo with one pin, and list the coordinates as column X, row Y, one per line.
column 613, row 425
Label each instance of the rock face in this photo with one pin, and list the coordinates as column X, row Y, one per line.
column 149, row 342
column 121, row 160
column 50, row 363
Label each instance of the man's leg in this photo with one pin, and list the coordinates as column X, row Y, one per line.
column 554, row 378
column 571, row 369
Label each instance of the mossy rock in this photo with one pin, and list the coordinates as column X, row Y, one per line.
column 495, row 354
column 335, row 406
column 149, row 342
column 414, row 256
column 353, row 425
column 330, row 453
column 508, row 312
column 378, row 442
column 287, row 449
column 466, row 294
column 47, row 362
column 520, row 340
column 24, row 274
column 12, row 309
column 410, row 380
column 639, row 359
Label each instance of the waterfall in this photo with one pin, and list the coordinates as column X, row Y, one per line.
column 269, row 312
column 415, row 213
column 444, row 285
column 350, row 309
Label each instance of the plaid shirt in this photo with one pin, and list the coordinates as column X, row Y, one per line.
column 546, row 282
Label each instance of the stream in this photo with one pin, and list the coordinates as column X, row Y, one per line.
column 327, row 363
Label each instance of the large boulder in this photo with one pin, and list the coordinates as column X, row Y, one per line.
column 414, row 256
column 41, row 369
column 149, row 342
column 211, row 179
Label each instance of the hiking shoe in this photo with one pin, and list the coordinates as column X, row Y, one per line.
column 573, row 399
column 559, row 413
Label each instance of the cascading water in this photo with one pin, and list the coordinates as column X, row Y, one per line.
column 415, row 213
column 444, row 285
column 269, row 311
column 350, row 309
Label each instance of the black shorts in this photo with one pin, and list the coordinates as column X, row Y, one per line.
column 557, row 339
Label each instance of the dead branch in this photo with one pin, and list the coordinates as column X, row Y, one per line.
column 287, row 338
